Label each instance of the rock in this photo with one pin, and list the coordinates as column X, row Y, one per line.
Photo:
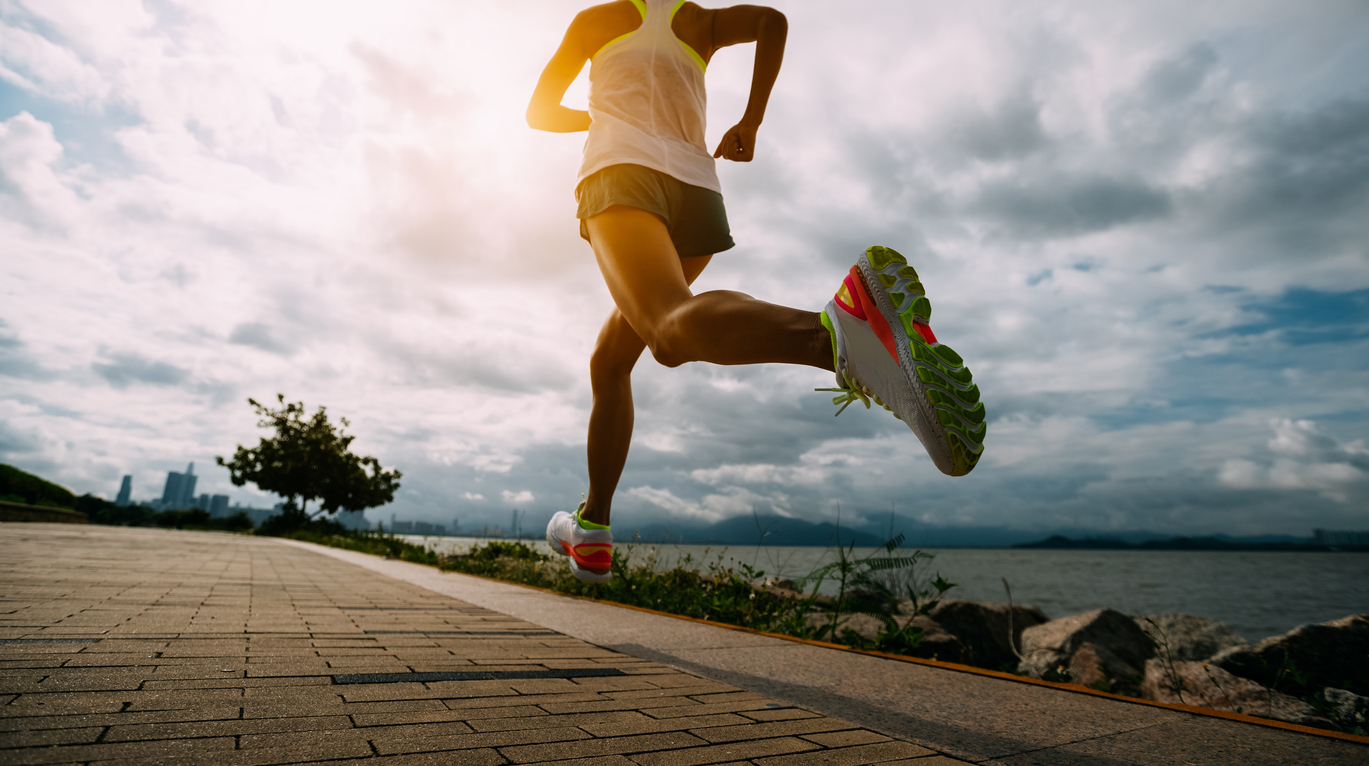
column 1098, row 668
column 1049, row 648
column 936, row 644
column 1185, row 638
column 1206, row 685
column 1307, row 658
column 983, row 630
column 1348, row 709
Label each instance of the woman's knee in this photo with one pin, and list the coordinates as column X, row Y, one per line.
column 615, row 351
column 668, row 344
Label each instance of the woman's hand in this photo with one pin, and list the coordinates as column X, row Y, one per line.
column 738, row 144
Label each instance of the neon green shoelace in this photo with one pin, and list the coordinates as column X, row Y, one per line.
column 850, row 393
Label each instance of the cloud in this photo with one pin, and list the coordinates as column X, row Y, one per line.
column 259, row 335
column 1146, row 243
column 123, row 370
column 32, row 62
column 1302, row 457
column 31, row 191
column 1054, row 205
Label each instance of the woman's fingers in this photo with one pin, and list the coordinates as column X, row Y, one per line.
column 732, row 147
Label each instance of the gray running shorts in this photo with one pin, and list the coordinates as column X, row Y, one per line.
column 694, row 216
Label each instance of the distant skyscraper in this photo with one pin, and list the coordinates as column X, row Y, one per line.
column 125, row 490
column 218, row 505
column 180, row 489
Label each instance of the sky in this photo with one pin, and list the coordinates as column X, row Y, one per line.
column 1145, row 226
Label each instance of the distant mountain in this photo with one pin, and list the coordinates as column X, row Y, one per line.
column 758, row 530
column 1208, row 543
column 772, row 529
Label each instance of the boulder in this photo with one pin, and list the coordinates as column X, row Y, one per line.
column 1307, row 658
column 936, row 644
column 1206, row 685
column 1049, row 648
column 1348, row 709
column 1097, row 668
column 1185, row 638
column 983, row 630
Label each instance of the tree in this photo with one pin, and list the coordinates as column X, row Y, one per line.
column 310, row 459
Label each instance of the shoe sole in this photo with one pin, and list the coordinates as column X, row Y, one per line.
column 945, row 413
column 560, row 546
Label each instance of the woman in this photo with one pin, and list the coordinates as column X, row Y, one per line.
column 652, row 210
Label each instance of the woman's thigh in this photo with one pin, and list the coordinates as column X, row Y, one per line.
column 645, row 275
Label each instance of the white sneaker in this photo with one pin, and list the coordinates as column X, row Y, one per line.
column 885, row 350
column 590, row 550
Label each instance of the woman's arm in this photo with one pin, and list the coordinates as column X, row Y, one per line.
column 544, row 110
column 767, row 28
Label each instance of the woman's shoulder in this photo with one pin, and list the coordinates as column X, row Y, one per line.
column 598, row 24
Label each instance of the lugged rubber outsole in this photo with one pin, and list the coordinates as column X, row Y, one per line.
column 947, row 395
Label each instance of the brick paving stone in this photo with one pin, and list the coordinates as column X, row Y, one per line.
column 728, row 752
column 846, row 738
column 201, row 647
column 485, row 757
column 228, row 728
column 932, row 760
column 702, row 709
column 602, row 760
column 48, row 737
column 605, row 746
column 500, row 739
column 852, row 756
column 781, row 714
column 208, row 749
column 774, row 729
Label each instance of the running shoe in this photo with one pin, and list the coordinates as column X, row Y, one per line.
column 590, row 550
column 885, row 350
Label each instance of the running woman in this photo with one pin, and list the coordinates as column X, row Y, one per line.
column 652, row 210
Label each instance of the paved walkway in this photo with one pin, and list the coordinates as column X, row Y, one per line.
column 152, row 646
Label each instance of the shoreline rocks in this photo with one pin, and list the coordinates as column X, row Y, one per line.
column 1104, row 646
column 1309, row 657
column 1185, row 638
column 982, row 629
column 1205, row 685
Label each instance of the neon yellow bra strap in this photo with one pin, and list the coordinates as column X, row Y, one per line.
column 703, row 67
column 641, row 8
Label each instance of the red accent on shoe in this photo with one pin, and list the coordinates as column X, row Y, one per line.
column 845, row 298
column 874, row 318
column 926, row 332
column 596, row 557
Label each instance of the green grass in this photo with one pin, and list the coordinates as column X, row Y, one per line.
column 733, row 595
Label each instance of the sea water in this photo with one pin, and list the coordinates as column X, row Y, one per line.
column 1258, row 594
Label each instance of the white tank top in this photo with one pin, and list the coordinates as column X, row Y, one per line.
column 647, row 103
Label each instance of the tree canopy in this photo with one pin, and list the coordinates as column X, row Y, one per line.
column 310, row 459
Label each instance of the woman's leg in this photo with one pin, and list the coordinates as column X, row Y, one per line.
column 647, row 281
column 650, row 283
column 611, row 416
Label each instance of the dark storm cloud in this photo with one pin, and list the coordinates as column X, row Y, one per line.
column 123, row 370
column 1008, row 130
column 1178, row 78
column 16, row 442
column 261, row 336
column 1308, row 179
column 15, row 362
column 1052, row 205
